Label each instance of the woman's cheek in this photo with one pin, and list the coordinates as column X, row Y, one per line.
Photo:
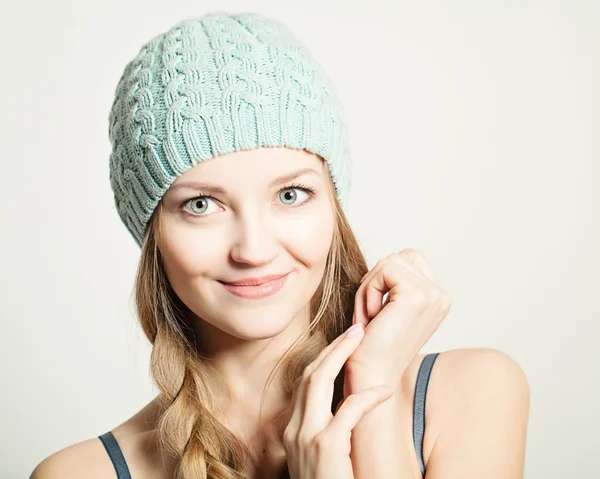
column 190, row 253
column 312, row 233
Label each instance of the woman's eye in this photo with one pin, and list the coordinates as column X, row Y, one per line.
column 198, row 204
column 288, row 196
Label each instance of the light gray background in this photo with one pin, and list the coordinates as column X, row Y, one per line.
column 474, row 128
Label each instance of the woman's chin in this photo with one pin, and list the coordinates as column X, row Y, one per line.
column 262, row 328
column 256, row 325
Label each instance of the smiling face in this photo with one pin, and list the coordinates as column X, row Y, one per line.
column 252, row 226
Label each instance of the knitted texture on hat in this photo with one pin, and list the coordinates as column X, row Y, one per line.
column 210, row 86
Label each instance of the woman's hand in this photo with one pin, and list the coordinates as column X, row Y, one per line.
column 396, row 330
column 317, row 444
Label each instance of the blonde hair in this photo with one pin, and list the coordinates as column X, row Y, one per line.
column 199, row 445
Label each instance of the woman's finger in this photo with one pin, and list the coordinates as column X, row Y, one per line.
column 418, row 261
column 316, row 382
column 353, row 409
column 324, row 352
column 389, row 276
column 320, row 384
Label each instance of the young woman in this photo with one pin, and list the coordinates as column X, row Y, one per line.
column 230, row 169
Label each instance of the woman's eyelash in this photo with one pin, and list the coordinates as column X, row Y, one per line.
column 307, row 189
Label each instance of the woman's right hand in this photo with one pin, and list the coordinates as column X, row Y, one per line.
column 317, row 444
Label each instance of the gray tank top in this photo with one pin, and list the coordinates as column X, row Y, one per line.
column 116, row 456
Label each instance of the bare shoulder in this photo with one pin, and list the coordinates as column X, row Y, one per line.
column 467, row 371
column 464, row 376
column 476, row 416
column 136, row 439
column 84, row 459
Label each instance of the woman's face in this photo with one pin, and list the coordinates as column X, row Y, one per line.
column 251, row 228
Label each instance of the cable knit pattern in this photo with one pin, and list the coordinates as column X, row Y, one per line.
column 210, row 86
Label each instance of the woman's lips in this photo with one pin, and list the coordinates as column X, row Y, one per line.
column 260, row 291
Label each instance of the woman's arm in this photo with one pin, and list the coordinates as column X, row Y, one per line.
column 379, row 446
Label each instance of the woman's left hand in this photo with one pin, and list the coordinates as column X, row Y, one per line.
column 397, row 330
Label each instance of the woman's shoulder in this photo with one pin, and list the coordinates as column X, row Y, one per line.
column 89, row 458
column 467, row 388
column 461, row 373
column 458, row 367
column 461, row 377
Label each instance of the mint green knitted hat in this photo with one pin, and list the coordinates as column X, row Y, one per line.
column 210, row 86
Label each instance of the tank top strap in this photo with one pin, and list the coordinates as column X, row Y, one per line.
column 116, row 455
column 419, row 406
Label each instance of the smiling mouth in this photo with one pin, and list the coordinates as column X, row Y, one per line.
column 257, row 291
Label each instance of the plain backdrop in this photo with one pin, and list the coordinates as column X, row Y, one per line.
column 474, row 127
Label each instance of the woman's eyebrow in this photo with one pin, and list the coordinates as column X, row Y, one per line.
column 218, row 189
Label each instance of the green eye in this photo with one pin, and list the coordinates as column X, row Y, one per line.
column 293, row 196
column 196, row 201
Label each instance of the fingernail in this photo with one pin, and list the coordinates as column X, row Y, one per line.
column 354, row 330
